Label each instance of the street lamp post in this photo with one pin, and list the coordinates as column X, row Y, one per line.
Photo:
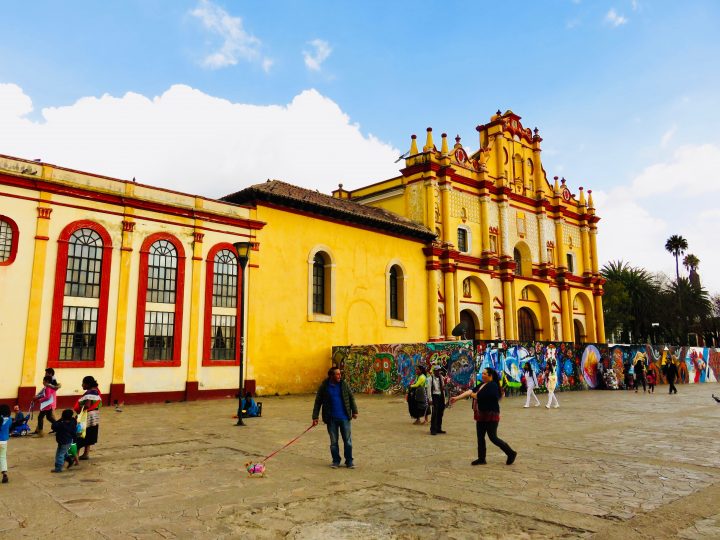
column 655, row 329
column 243, row 254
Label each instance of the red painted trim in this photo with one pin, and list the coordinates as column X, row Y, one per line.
column 59, row 296
column 207, row 335
column 138, row 360
column 15, row 239
column 120, row 200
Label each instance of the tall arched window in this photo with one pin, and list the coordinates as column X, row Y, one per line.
column 222, row 323
column 518, row 262
column 396, row 294
column 8, row 240
column 158, row 327
column 80, row 298
column 321, row 285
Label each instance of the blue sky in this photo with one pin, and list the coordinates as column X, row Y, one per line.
column 170, row 91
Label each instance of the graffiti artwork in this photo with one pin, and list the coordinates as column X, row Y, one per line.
column 391, row 367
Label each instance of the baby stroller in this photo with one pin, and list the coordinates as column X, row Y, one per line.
column 22, row 428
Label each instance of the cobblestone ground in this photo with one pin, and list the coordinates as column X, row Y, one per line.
column 603, row 465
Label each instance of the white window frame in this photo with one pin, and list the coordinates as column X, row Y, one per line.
column 401, row 321
column 330, row 275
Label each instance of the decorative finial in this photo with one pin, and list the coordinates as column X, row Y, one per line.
column 340, row 186
column 562, row 180
column 556, row 187
column 582, row 196
column 498, row 112
column 457, row 139
column 444, row 147
column 413, row 145
column 591, row 204
column 429, row 145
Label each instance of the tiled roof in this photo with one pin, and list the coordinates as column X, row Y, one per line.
column 284, row 194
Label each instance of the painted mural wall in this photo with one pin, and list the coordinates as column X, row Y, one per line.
column 390, row 368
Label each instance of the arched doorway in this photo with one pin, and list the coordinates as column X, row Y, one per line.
column 579, row 331
column 468, row 320
column 526, row 325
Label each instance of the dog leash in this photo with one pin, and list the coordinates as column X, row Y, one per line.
column 288, row 444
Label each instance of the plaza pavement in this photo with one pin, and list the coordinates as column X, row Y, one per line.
column 603, row 465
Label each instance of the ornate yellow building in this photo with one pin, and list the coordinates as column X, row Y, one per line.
column 140, row 286
column 516, row 256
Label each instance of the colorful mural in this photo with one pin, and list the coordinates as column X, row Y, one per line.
column 391, row 367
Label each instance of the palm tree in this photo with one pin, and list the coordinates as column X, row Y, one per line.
column 676, row 245
column 691, row 262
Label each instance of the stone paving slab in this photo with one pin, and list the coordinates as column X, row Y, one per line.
column 604, row 465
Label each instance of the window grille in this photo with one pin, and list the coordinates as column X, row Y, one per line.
column 225, row 279
column 319, row 284
column 78, row 333
column 159, row 335
column 82, row 277
column 162, row 272
column 6, row 240
column 518, row 262
column 462, row 240
column 223, row 337
column 394, row 292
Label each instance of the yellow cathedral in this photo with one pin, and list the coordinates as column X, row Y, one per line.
column 140, row 286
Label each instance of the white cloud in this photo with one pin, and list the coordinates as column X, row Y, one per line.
column 237, row 43
column 675, row 196
column 192, row 142
column 667, row 136
column 635, row 4
column 321, row 52
column 614, row 19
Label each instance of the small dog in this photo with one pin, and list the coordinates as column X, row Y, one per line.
column 255, row 469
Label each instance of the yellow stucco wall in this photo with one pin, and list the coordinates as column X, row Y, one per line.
column 288, row 353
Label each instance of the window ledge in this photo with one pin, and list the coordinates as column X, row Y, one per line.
column 320, row 317
column 395, row 322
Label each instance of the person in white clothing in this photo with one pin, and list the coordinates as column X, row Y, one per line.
column 551, row 383
column 530, row 383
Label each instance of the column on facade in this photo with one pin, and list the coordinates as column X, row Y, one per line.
column 593, row 249
column 586, row 249
column 445, row 193
column 484, row 224
column 430, row 204
column 117, row 388
column 434, row 330
column 449, row 278
column 508, row 307
column 505, row 229
column 32, row 329
column 566, row 308
column 599, row 317
column 542, row 238
column 194, row 349
column 499, row 155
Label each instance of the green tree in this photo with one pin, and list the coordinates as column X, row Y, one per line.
column 676, row 245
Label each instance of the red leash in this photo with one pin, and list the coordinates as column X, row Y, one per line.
column 288, row 444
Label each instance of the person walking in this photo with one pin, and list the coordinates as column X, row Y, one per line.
column 47, row 401
column 551, row 384
column 640, row 373
column 338, row 406
column 437, row 390
column 530, row 383
column 486, row 412
column 672, row 373
column 417, row 395
column 65, row 430
column 90, row 401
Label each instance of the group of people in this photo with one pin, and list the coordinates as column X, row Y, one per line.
column 76, row 429
column 334, row 401
column 531, row 382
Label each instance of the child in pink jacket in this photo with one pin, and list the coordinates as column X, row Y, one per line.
column 47, row 401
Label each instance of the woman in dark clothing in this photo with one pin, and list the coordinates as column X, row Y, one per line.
column 640, row 372
column 672, row 372
column 486, row 407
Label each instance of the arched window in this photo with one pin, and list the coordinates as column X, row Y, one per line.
column 80, row 298
column 319, row 284
column 518, row 262
column 222, row 323
column 158, row 326
column 321, row 294
column 8, row 240
column 462, row 240
column 396, row 294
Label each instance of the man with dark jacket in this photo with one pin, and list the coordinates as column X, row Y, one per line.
column 338, row 407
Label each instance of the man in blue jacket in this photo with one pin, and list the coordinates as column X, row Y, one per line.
column 338, row 407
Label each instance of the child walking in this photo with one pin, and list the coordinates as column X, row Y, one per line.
column 5, row 422
column 48, row 400
column 651, row 381
column 530, row 382
column 65, row 430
